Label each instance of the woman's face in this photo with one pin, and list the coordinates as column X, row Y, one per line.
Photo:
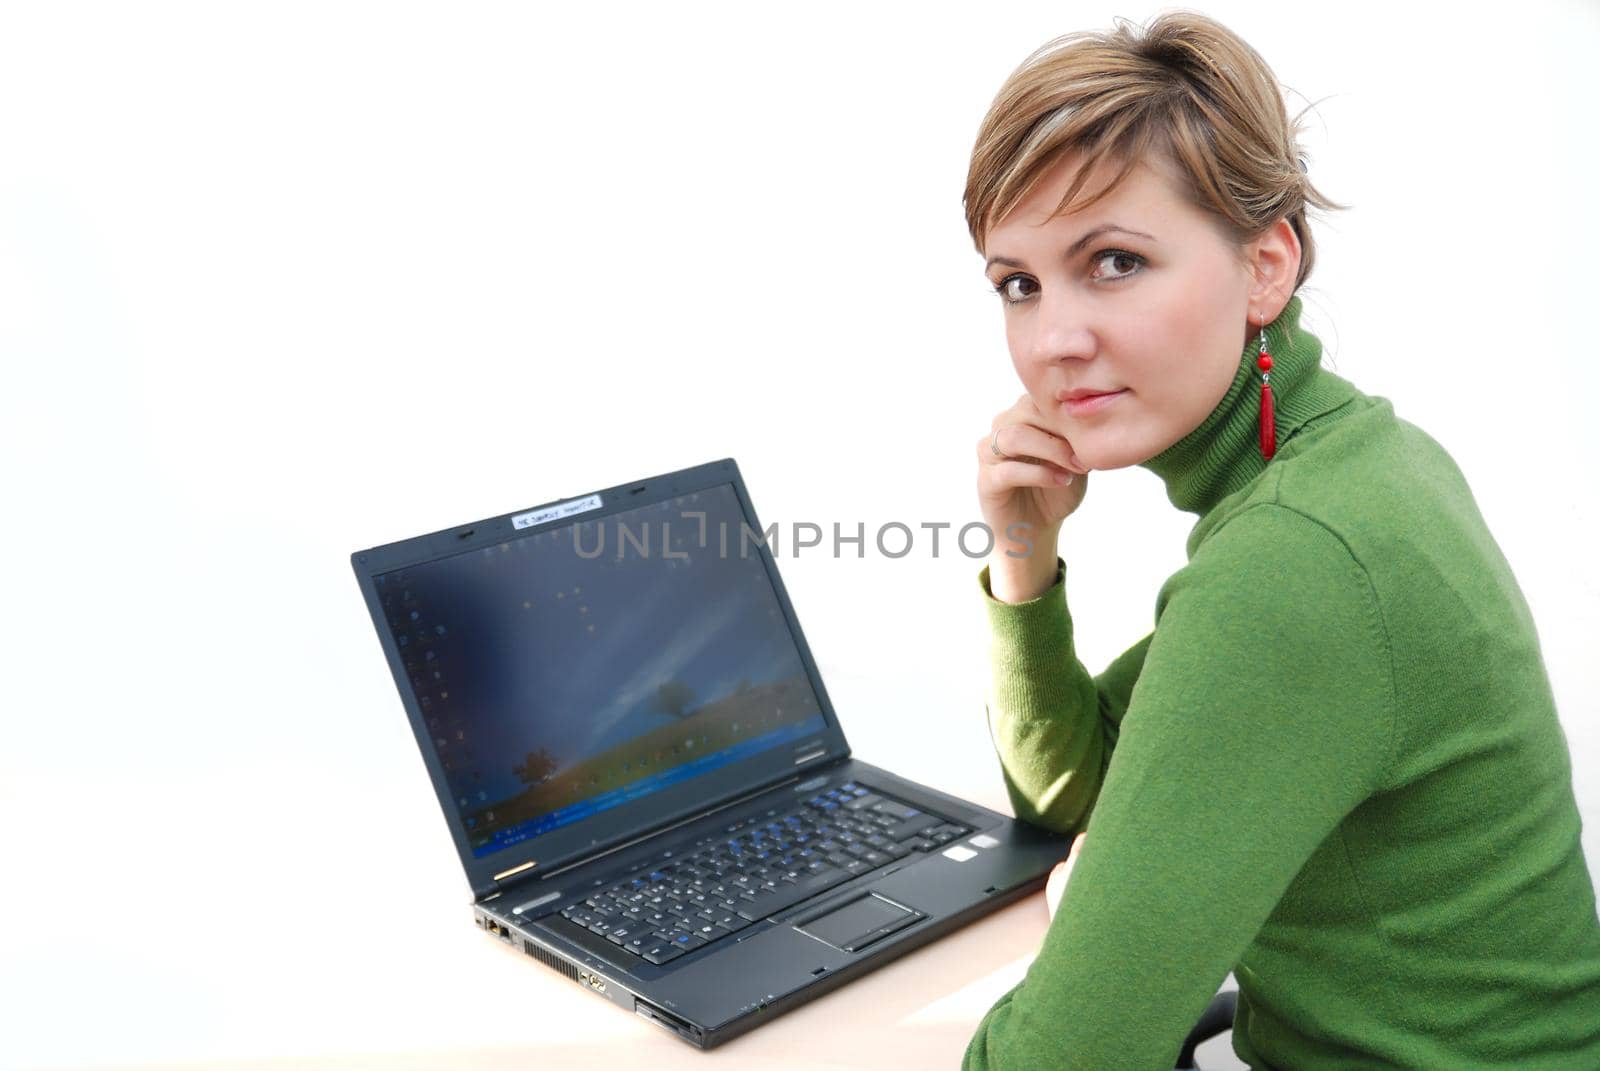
column 1160, row 316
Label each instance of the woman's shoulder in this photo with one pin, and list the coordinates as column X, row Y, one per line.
column 1369, row 502
column 1372, row 480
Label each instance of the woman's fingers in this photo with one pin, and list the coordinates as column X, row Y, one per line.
column 1052, row 888
column 1015, row 472
column 1056, row 884
column 1027, row 441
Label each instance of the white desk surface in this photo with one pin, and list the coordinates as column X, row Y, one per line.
column 409, row 982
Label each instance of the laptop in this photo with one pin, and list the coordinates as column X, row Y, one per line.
column 648, row 787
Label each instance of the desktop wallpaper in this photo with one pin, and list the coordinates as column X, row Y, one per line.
column 557, row 670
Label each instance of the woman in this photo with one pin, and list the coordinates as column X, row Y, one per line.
column 1334, row 767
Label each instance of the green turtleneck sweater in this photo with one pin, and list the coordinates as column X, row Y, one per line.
column 1333, row 768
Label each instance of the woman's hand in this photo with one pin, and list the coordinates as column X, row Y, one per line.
column 1038, row 482
column 1056, row 883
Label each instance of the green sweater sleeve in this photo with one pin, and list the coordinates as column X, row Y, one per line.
column 1263, row 714
column 1053, row 726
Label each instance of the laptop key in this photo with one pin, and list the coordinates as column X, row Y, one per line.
column 898, row 810
column 910, row 826
column 663, row 952
column 793, row 894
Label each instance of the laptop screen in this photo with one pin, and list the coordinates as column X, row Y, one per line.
column 577, row 668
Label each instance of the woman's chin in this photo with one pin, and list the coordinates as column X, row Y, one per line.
column 1097, row 454
column 1104, row 459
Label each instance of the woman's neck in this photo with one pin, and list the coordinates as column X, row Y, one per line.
column 1223, row 454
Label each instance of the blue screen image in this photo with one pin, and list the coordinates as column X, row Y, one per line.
column 581, row 666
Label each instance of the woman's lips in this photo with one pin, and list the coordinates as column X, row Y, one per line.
column 1093, row 403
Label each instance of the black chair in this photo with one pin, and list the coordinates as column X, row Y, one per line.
column 1217, row 1017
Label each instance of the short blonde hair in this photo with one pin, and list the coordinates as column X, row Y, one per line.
column 1186, row 89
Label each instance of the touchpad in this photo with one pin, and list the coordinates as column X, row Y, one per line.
column 860, row 922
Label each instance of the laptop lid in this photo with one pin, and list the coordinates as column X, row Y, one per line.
column 582, row 672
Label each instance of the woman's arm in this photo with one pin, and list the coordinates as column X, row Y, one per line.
column 1053, row 725
column 1263, row 714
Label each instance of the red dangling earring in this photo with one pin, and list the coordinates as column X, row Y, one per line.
column 1269, row 431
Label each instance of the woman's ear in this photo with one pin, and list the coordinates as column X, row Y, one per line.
column 1274, row 263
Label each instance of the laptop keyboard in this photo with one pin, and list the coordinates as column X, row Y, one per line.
column 754, row 867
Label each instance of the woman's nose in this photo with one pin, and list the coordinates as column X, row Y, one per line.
column 1060, row 332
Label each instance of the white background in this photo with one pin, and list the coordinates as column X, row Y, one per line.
column 282, row 281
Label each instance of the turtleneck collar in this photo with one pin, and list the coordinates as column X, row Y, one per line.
column 1223, row 454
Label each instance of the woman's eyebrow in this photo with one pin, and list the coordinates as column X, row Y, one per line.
column 1073, row 249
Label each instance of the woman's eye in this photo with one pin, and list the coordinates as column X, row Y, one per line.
column 1118, row 255
column 1009, row 295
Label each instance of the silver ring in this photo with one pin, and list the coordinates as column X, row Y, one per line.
column 994, row 443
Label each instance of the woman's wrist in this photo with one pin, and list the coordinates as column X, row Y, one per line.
column 1019, row 579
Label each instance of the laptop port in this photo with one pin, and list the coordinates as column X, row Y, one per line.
column 665, row 1019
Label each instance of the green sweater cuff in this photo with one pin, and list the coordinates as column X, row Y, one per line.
column 1036, row 628
column 1043, row 708
column 1031, row 654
